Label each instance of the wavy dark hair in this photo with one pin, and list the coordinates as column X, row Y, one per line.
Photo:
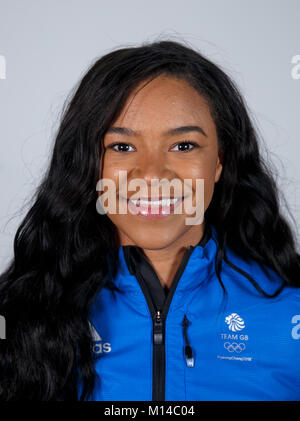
column 59, row 263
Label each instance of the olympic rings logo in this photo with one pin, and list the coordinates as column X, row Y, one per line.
column 234, row 347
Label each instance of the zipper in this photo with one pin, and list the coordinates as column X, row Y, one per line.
column 159, row 319
column 188, row 352
column 158, row 357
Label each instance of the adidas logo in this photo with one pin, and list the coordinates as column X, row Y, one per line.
column 99, row 348
column 95, row 334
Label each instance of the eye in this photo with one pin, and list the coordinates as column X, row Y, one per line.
column 121, row 147
column 185, row 146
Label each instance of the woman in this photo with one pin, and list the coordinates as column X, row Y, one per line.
column 141, row 305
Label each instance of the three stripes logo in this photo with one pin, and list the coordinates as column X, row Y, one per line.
column 99, row 346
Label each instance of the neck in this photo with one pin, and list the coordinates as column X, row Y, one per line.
column 166, row 261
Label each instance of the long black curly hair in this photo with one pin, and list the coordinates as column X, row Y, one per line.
column 59, row 262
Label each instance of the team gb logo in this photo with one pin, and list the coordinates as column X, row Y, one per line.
column 235, row 322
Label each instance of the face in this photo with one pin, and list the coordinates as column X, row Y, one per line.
column 152, row 150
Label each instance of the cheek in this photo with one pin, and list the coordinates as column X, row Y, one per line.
column 111, row 170
column 108, row 172
column 113, row 164
column 206, row 172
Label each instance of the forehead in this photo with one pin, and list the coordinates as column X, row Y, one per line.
column 164, row 102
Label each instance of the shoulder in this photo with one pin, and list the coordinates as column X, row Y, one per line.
column 253, row 275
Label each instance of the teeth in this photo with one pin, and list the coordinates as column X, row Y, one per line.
column 164, row 202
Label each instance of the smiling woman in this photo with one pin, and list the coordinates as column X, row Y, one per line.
column 141, row 305
column 146, row 143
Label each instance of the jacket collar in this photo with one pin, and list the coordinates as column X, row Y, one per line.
column 200, row 265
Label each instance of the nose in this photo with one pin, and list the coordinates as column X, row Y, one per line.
column 153, row 165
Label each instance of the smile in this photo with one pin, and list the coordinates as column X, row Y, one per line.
column 153, row 208
column 159, row 202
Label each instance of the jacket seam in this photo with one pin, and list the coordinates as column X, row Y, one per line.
column 236, row 269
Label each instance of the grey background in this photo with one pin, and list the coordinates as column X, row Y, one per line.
column 48, row 45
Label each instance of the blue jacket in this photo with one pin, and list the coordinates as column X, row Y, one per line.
column 199, row 346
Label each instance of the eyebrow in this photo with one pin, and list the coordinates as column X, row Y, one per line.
column 177, row 130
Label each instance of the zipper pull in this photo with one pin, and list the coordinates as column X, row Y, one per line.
column 189, row 358
column 158, row 330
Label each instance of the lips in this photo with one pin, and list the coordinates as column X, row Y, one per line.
column 155, row 202
column 155, row 197
column 154, row 207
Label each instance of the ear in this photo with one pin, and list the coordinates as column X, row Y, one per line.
column 219, row 168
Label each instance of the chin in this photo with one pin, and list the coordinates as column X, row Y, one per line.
column 154, row 240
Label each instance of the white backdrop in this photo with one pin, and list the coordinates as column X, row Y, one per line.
column 46, row 46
